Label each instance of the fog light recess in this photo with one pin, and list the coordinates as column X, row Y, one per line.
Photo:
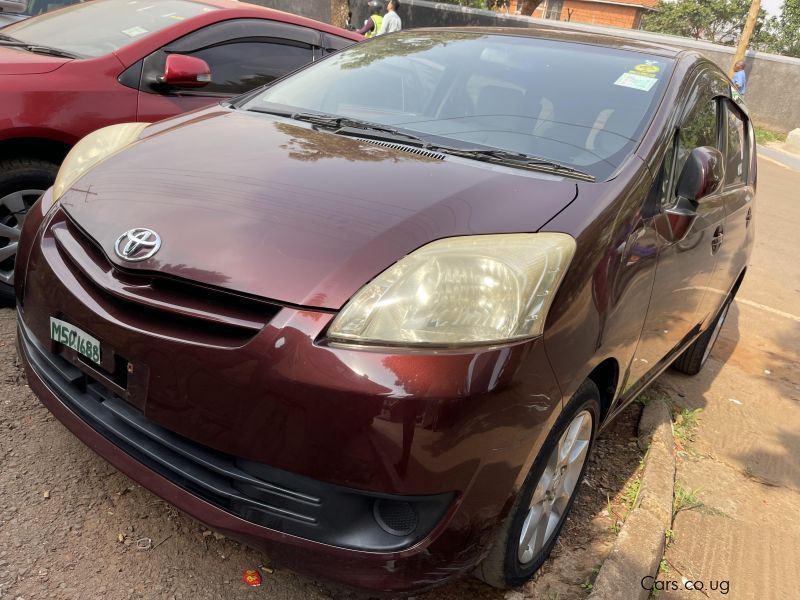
column 395, row 517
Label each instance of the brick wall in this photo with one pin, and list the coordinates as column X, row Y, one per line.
column 593, row 13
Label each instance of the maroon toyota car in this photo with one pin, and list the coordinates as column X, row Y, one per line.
column 371, row 317
column 65, row 74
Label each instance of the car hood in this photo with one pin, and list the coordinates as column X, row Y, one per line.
column 22, row 62
column 273, row 208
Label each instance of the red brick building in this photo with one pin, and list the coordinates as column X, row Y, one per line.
column 615, row 13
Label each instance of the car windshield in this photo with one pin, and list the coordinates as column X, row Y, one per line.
column 580, row 105
column 100, row 27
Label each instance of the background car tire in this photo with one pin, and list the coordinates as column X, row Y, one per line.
column 17, row 175
column 502, row 567
column 692, row 360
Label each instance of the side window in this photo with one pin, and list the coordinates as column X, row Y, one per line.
column 241, row 66
column 699, row 128
column 736, row 151
column 242, row 54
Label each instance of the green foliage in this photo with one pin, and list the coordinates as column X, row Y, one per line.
column 764, row 136
column 719, row 21
column 684, row 425
column 788, row 36
column 684, row 499
column 722, row 21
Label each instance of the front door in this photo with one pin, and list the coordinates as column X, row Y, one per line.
column 680, row 298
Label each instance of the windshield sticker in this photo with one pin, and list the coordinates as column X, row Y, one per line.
column 134, row 31
column 644, row 83
column 648, row 69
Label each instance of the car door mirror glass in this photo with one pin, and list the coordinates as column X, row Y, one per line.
column 185, row 72
column 702, row 174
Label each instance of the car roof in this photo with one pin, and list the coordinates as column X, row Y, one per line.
column 570, row 35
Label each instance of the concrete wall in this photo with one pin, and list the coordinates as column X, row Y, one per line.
column 773, row 85
column 313, row 9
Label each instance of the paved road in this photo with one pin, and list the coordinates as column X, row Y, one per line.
column 744, row 466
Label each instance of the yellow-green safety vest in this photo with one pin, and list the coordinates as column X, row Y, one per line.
column 376, row 20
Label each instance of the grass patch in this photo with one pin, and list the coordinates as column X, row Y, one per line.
column 684, row 425
column 627, row 500
column 588, row 585
column 685, row 499
column 764, row 136
column 631, row 493
column 615, row 520
column 669, row 536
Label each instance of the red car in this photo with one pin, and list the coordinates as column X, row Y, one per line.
column 68, row 73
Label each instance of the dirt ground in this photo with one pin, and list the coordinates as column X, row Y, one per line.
column 71, row 526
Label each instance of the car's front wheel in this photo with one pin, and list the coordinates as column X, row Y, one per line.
column 22, row 181
column 531, row 529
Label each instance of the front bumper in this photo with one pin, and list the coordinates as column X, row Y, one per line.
column 286, row 428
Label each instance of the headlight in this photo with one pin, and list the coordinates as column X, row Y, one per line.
column 463, row 290
column 93, row 149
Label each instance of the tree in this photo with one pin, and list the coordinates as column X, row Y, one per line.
column 526, row 7
column 788, row 36
column 340, row 12
column 719, row 21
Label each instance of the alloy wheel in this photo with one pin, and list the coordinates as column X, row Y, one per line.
column 13, row 208
column 556, row 487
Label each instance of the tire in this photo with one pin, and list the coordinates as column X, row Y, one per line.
column 693, row 359
column 22, row 181
column 503, row 567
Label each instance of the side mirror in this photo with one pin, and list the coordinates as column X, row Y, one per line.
column 702, row 176
column 185, row 72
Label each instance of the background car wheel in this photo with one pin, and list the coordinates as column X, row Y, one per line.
column 531, row 529
column 692, row 360
column 22, row 181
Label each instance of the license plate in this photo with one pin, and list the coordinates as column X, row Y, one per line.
column 75, row 338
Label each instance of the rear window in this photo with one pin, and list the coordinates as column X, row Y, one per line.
column 581, row 105
column 100, row 27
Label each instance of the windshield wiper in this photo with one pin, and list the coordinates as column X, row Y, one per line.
column 35, row 48
column 350, row 126
column 346, row 126
column 513, row 159
column 356, row 127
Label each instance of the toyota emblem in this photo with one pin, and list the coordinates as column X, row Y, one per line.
column 137, row 244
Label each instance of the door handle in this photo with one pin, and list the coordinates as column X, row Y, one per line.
column 716, row 241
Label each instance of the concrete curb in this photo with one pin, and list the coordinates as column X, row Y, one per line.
column 639, row 547
column 787, row 159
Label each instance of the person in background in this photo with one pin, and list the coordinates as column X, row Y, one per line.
column 372, row 25
column 739, row 77
column 391, row 20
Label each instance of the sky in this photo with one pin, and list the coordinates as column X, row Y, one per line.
column 773, row 7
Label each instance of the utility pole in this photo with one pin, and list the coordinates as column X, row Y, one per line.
column 747, row 32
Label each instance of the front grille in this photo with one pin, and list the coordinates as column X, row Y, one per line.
column 157, row 302
column 256, row 492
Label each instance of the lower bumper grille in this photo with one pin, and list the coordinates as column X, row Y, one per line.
column 261, row 494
